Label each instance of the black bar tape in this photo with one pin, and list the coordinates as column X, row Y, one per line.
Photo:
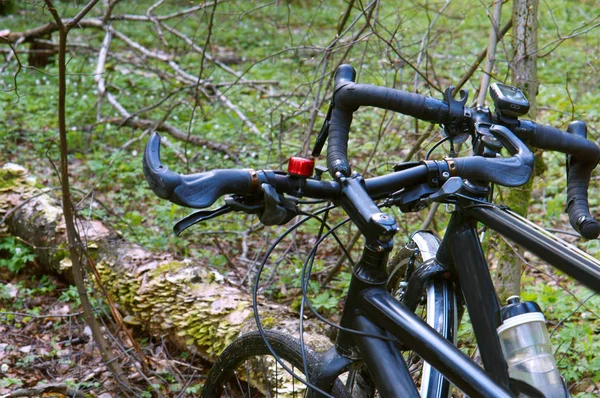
column 578, row 208
column 579, row 172
column 352, row 96
column 337, row 147
column 339, row 125
column 584, row 158
column 551, row 138
column 349, row 96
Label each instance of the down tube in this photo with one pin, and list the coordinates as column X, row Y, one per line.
column 543, row 244
column 385, row 311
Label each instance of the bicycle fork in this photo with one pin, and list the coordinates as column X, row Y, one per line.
column 378, row 321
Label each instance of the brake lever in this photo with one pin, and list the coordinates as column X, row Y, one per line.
column 199, row 216
column 278, row 210
column 450, row 187
column 232, row 203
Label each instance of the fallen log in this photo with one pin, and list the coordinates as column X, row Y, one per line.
column 181, row 300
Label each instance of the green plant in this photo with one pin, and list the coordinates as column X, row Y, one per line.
column 10, row 381
column 325, row 301
column 193, row 389
column 70, row 295
column 16, row 255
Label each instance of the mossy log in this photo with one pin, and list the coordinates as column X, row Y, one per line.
column 180, row 300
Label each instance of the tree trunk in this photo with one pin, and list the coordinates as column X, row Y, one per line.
column 178, row 299
column 524, row 76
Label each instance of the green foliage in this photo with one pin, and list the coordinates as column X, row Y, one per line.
column 14, row 255
column 9, row 381
column 82, row 386
column 70, row 295
column 325, row 301
column 572, row 320
column 193, row 390
column 18, row 297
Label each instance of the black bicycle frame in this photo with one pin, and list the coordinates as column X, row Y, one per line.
column 371, row 309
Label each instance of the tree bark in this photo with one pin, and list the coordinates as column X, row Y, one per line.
column 180, row 300
column 524, row 76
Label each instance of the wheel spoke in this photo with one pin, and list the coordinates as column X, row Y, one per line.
column 239, row 383
column 248, row 379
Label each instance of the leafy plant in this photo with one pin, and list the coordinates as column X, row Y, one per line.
column 10, row 381
column 16, row 255
column 325, row 301
column 70, row 295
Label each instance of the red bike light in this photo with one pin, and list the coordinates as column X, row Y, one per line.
column 301, row 167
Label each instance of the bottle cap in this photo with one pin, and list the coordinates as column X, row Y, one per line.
column 515, row 307
column 521, row 319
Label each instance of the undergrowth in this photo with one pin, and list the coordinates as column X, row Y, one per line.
column 283, row 43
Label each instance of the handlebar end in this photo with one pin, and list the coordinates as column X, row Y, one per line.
column 162, row 181
column 588, row 227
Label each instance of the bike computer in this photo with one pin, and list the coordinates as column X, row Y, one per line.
column 509, row 101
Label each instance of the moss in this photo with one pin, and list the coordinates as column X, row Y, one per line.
column 269, row 322
column 11, row 176
column 170, row 266
column 60, row 253
column 207, row 317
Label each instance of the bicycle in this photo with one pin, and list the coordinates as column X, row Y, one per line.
column 378, row 321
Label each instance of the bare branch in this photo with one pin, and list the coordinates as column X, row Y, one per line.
column 219, row 95
column 200, row 50
column 43, row 390
column 425, row 40
column 174, row 132
column 187, row 11
column 109, row 9
column 556, row 43
column 19, row 64
column 405, row 60
column 80, row 15
column 480, row 58
column 99, row 78
column 154, row 21
column 55, row 15
column 491, row 51
column 76, row 250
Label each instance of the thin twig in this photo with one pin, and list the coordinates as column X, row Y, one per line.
column 175, row 133
column 160, row 18
column 54, row 388
column 33, row 316
column 491, row 51
column 425, row 40
column 480, row 58
column 72, row 238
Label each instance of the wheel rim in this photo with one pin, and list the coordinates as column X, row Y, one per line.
column 439, row 309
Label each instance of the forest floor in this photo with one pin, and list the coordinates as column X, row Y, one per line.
column 272, row 62
column 45, row 341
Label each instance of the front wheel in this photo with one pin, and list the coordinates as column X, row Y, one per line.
column 415, row 280
column 247, row 368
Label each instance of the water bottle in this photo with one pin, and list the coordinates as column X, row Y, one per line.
column 526, row 347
